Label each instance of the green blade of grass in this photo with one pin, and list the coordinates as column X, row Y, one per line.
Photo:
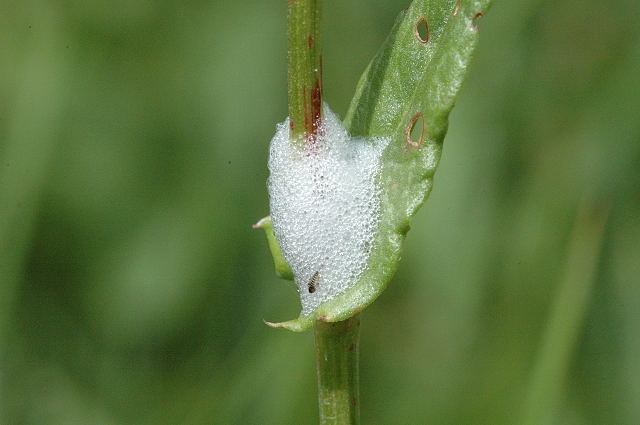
column 566, row 317
column 27, row 151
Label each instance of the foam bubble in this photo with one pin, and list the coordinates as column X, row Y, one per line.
column 325, row 207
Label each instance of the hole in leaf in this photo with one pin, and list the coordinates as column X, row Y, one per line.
column 422, row 30
column 415, row 130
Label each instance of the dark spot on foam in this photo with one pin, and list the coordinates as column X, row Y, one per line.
column 313, row 282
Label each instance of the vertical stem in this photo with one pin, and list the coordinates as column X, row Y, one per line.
column 567, row 315
column 28, row 148
column 337, row 363
column 336, row 343
column 305, row 68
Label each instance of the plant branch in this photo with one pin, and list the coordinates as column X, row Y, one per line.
column 336, row 342
column 337, row 363
column 304, row 68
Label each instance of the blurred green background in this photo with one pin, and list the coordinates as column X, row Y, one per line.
column 133, row 147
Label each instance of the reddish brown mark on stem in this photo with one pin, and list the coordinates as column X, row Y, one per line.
column 310, row 41
column 307, row 123
column 313, row 108
column 316, row 105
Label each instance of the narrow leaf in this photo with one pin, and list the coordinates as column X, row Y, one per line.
column 282, row 268
column 567, row 315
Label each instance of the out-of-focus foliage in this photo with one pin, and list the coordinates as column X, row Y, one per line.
column 133, row 145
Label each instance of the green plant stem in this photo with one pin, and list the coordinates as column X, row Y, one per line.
column 336, row 342
column 337, row 363
column 567, row 316
column 304, row 69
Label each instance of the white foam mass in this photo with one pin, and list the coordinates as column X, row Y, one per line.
column 325, row 207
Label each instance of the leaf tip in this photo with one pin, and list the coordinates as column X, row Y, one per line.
column 262, row 223
column 300, row 324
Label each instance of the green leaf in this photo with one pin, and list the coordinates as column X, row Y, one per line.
column 282, row 268
column 414, row 79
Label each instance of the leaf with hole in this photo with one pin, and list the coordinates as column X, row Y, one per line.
column 404, row 96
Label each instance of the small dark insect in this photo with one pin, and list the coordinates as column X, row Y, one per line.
column 313, row 282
